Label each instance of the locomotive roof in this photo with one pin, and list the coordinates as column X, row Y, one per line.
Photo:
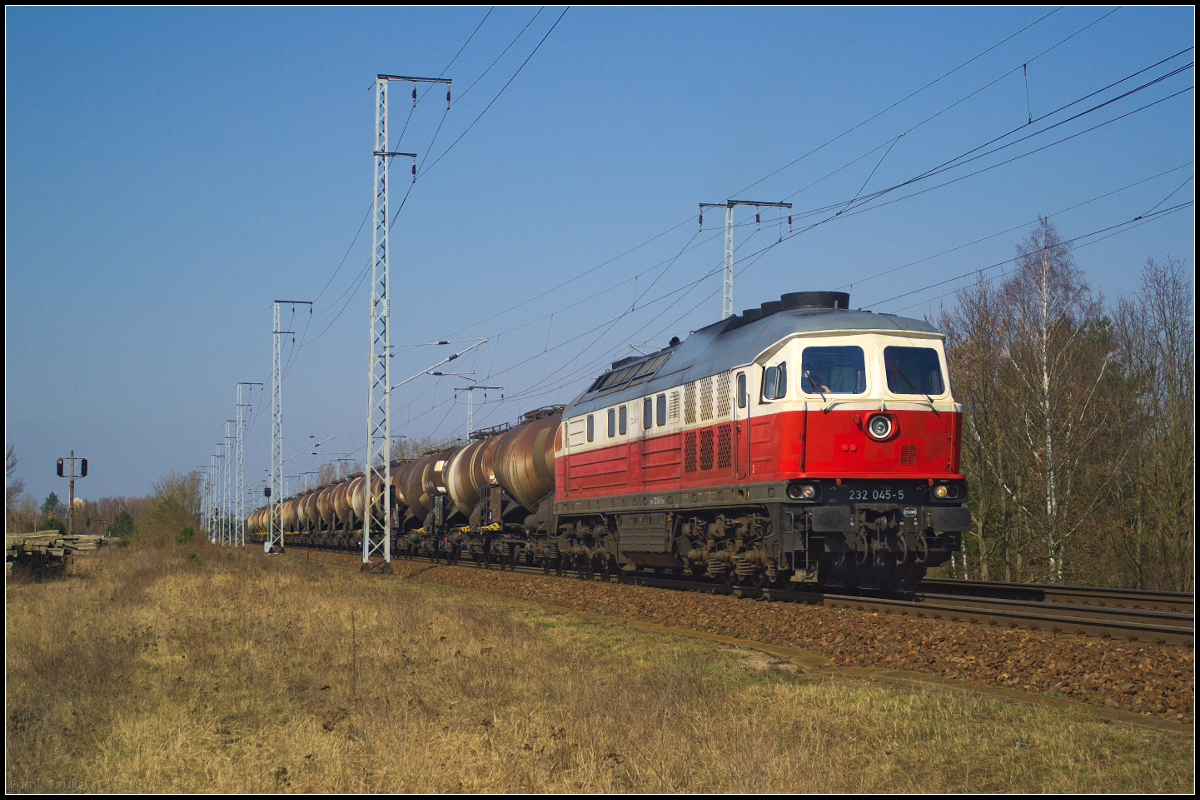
column 724, row 345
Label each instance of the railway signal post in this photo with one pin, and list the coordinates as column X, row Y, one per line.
column 65, row 471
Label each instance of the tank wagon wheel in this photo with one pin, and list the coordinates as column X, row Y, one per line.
column 846, row 574
column 891, row 577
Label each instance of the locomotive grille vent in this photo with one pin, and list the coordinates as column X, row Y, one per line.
column 689, row 403
column 689, row 451
column 724, row 398
column 724, row 447
column 673, row 410
column 706, row 449
column 576, row 430
column 908, row 455
column 706, row 399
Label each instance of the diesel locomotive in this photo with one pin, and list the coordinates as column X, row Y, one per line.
column 801, row 441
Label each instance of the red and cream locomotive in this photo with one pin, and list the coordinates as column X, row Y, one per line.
column 798, row 442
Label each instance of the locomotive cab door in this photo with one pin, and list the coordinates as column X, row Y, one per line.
column 742, row 392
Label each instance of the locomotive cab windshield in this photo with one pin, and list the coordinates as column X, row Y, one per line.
column 913, row 370
column 833, row 370
column 872, row 366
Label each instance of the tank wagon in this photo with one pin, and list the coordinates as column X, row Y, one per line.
column 797, row 442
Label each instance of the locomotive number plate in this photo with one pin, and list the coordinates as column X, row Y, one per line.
column 877, row 494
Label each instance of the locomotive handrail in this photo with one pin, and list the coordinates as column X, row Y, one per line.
column 837, row 400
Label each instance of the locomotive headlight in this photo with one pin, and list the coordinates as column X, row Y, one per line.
column 802, row 491
column 879, row 426
column 947, row 491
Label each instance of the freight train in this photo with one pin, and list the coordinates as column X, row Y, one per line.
column 799, row 442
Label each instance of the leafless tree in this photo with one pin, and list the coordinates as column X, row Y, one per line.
column 974, row 342
column 13, row 486
column 1055, row 373
column 1155, row 338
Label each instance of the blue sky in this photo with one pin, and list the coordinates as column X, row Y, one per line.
column 171, row 172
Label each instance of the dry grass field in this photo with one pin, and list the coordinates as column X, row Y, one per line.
column 188, row 668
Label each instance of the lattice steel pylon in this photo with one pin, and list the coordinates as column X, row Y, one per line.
column 209, row 480
column 240, row 505
column 377, row 499
column 274, row 540
column 226, row 531
column 212, row 493
column 727, row 289
column 218, row 506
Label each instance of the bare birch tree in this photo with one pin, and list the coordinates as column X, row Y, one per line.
column 1054, row 377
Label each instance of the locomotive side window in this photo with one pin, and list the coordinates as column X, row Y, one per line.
column 913, row 370
column 741, row 390
column 622, row 415
column 774, row 382
column 833, row 370
column 662, row 410
column 591, row 428
column 647, row 413
column 612, row 423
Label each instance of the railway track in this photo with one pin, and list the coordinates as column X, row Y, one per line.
column 1148, row 617
column 1179, row 602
